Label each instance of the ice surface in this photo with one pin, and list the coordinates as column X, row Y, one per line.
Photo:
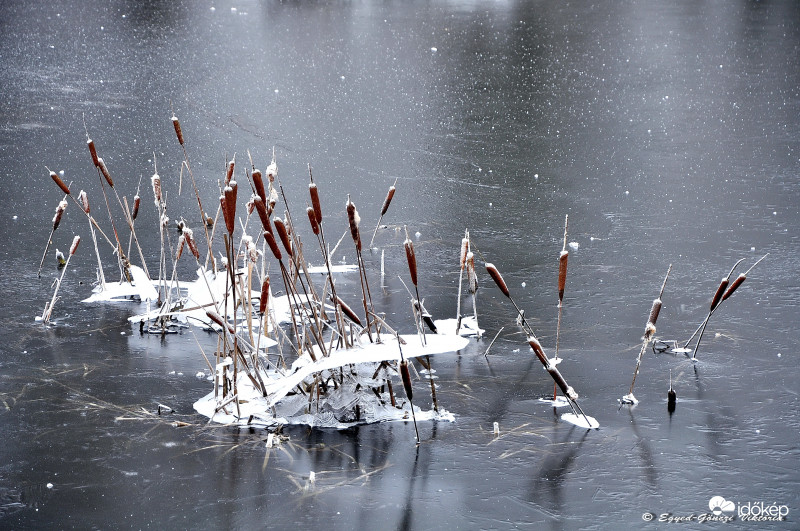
column 560, row 401
column 469, row 327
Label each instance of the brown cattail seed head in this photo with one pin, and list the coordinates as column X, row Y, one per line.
column 314, row 192
column 261, row 209
column 188, row 234
column 229, row 208
column 718, row 295
column 735, row 284
column 406, row 376
column 93, row 152
column 214, row 316
column 258, row 184
column 273, row 245
column 348, row 311
column 74, row 247
column 84, row 200
column 62, row 205
column 155, row 180
column 177, row 125
column 388, row 200
column 136, row 202
column 654, row 310
column 411, row 257
column 354, row 219
column 498, row 279
column 263, row 303
column 59, row 182
column 104, row 171
column 283, row 234
column 562, row 273
column 538, row 350
column 312, row 218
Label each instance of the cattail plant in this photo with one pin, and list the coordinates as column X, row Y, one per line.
column 384, row 208
column 562, row 282
column 204, row 219
column 58, row 181
column 463, row 262
column 419, row 310
column 62, row 206
column 498, row 280
column 354, row 220
column 558, row 379
column 649, row 332
column 48, row 308
column 405, row 375
column 724, row 291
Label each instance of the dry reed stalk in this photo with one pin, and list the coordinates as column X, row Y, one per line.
column 48, row 308
column 83, row 199
column 650, row 329
column 386, row 202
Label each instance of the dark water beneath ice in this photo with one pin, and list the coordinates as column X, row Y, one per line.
column 668, row 132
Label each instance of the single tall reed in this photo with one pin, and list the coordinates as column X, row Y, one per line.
column 649, row 332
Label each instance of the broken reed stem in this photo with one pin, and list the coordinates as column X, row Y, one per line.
column 650, row 328
column 384, row 208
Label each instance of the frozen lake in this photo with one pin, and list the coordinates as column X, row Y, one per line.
column 669, row 133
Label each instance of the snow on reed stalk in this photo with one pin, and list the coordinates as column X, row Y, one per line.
column 649, row 332
column 48, row 308
column 724, row 291
column 386, row 202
